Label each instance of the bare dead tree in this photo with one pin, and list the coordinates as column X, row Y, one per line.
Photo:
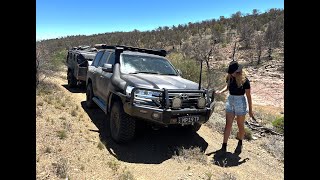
column 42, row 61
column 200, row 49
column 234, row 50
column 246, row 32
column 258, row 46
column 273, row 35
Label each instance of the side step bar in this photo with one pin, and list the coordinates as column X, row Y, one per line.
column 100, row 104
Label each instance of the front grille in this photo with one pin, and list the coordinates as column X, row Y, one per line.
column 189, row 98
column 189, row 102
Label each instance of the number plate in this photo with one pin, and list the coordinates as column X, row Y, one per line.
column 188, row 119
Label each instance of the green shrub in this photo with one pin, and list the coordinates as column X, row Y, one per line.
column 247, row 134
column 100, row 145
column 62, row 134
column 279, row 124
column 58, row 60
column 190, row 68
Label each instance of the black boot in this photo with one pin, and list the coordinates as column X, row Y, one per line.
column 223, row 149
column 239, row 147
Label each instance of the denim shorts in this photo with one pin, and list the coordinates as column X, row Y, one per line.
column 236, row 105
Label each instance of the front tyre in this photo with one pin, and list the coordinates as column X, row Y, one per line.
column 122, row 126
column 193, row 128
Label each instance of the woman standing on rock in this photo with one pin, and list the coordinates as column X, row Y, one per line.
column 236, row 106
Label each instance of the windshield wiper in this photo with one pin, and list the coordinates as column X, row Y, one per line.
column 169, row 74
column 145, row 72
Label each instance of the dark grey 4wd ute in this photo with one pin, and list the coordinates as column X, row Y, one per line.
column 133, row 84
column 77, row 63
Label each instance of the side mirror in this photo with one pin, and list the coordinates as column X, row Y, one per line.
column 107, row 68
column 179, row 72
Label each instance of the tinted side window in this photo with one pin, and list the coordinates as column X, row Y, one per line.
column 104, row 58
column 112, row 59
column 97, row 58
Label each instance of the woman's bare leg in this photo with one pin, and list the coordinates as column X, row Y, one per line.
column 240, row 123
column 228, row 127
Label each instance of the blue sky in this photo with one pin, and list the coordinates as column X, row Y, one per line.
column 59, row 18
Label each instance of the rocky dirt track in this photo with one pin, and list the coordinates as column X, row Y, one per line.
column 69, row 136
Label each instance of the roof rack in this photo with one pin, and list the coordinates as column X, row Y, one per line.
column 83, row 47
column 99, row 46
column 160, row 52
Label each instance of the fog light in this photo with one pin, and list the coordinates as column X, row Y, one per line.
column 173, row 121
column 155, row 115
column 201, row 102
column 176, row 103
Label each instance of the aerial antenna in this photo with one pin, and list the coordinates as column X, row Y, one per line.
column 200, row 75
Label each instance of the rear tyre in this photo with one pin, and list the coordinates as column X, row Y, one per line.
column 89, row 96
column 72, row 81
column 122, row 126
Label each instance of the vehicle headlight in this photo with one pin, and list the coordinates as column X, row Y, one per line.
column 176, row 103
column 129, row 90
column 201, row 102
column 147, row 96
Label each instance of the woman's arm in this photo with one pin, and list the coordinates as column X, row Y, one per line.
column 248, row 94
column 222, row 90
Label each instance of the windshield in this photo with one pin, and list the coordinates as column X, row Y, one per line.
column 133, row 64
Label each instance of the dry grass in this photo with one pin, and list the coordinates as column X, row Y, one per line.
column 275, row 146
column 228, row 176
column 216, row 122
column 191, row 154
column 48, row 150
column 62, row 134
column 114, row 165
column 40, row 103
column 61, row 168
column 67, row 126
column 82, row 168
column 48, row 119
column 266, row 114
column 208, row 175
column 45, row 88
column 74, row 112
column 247, row 134
column 100, row 145
column 126, row 175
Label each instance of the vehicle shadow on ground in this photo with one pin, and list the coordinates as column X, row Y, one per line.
column 149, row 146
column 79, row 89
column 226, row 160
